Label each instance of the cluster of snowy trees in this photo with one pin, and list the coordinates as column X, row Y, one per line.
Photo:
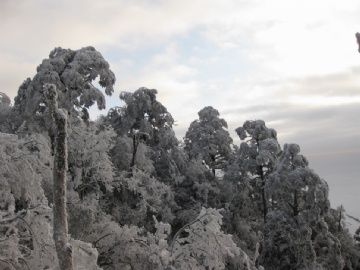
column 122, row 192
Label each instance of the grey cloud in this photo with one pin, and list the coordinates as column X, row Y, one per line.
column 345, row 84
column 320, row 123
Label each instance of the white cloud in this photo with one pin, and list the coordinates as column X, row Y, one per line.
column 285, row 37
column 293, row 38
column 317, row 100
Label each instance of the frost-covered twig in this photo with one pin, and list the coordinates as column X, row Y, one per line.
column 19, row 215
column 184, row 227
column 102, row 237
column 8, row 263
column 353, row 218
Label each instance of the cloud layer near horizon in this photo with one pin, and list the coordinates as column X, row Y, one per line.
column 291, row 63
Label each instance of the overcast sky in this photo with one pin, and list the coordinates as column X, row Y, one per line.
column 293, row 64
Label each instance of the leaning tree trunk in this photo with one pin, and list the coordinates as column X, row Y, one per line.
column 59, row 118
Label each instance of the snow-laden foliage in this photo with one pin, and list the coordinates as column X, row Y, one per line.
column 327, row 247
column 26, row 241
column 335, row 219
column 302, row 196
column 169, row 165
column 143, row 104
column 357, row 236
column 6, row 124
column 204, row 189
column 243, row 219
column 73, row 73
column 198, row 188
column 4, row 100
column 256, row 157
column 208, row 138
column 298, row 199
column 24, row 164
column 259, row 151
column 287, row 243
column 26, row 222
column 146, row 121
column 90, row 167
column 295, row 188
column 119, row 247
column 147, row 117
column 143, row 196
column 202, row 245
column 121, row 153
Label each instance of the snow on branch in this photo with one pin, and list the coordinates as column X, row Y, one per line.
column 19, row 215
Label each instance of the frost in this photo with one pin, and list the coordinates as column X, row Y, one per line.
column 208, row 138
column 192, row 250
column 72, row 73
column 89, row 161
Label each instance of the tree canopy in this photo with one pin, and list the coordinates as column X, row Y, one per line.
column 208, row 138
column 72, row 73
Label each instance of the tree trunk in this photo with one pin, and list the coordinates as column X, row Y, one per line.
column 262, row 176
column 340, row 218
column 295, row 206
column 60, row 235
column 260, row 171
column 135, row 146
column 213, row 164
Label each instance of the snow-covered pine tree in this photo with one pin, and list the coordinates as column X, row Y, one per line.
column 257, row 156
column 208, row 138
